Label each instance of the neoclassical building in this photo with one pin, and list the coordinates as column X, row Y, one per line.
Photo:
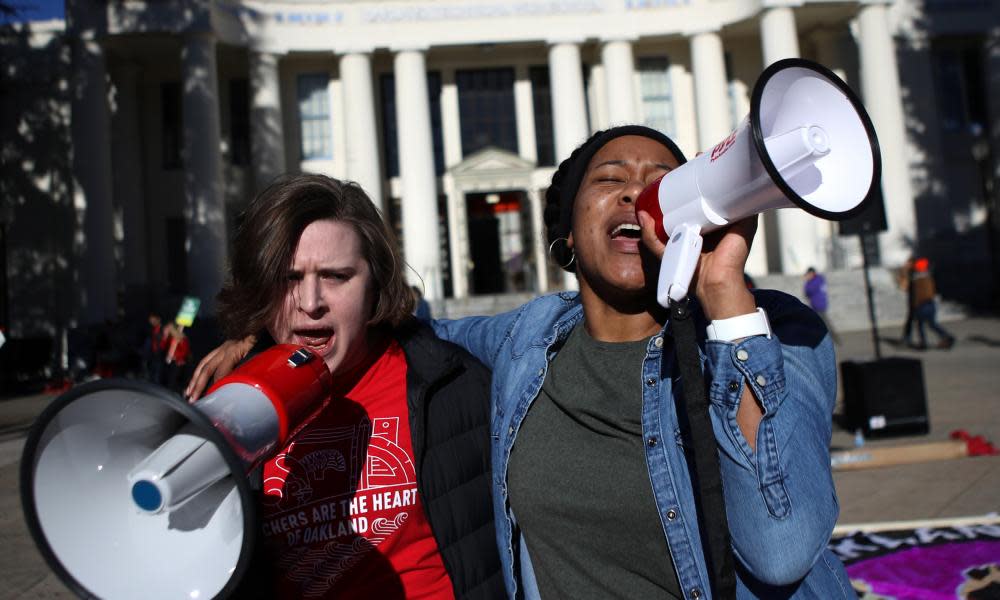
column 452, row 115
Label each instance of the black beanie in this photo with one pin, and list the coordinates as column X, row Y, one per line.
column 566, row 180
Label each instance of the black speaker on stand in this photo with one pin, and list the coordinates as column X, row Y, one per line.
column 886, row 396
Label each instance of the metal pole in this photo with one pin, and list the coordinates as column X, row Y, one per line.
column 867, row 239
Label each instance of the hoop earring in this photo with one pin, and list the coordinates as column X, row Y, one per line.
column 572, row 251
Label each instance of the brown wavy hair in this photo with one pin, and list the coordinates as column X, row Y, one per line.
column 269, row 232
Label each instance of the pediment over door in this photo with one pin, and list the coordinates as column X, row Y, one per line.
column 492, row 169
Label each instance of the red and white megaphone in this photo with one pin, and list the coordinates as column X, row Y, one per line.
column 131, row 492
column 807, row 143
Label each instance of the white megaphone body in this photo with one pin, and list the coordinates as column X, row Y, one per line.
column 807, row 143
column 131, row 492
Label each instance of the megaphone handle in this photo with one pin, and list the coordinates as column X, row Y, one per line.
column 679, row 261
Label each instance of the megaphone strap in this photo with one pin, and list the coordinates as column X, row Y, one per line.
column 708, row 496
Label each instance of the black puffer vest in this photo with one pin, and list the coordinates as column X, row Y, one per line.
column 448, row 396
column 448, row 400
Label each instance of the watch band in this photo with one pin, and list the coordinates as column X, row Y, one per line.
column 741, row 326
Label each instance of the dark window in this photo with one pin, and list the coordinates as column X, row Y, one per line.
column 541, row 97
column 314, row 116
column 657, row 95
column 390, row 133
column 172, row 125
column 239, row 121
column 486, row 108
column 959, row 74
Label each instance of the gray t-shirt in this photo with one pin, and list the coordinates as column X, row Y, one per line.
column 578, row 480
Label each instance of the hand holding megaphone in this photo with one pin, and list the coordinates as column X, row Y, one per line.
column 130, row 492
column 807, row 143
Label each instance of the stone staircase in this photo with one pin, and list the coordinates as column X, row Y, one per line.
column 848, row 301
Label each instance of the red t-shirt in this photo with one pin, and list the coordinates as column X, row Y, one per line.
column 341, row 513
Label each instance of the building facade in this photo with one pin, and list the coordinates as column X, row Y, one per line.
column 452, row 115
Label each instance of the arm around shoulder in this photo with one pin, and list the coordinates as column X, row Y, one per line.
column 482, row 337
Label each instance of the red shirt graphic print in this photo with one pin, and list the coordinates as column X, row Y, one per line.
column 341, row 513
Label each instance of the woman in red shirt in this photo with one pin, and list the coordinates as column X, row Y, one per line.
column 385, row 494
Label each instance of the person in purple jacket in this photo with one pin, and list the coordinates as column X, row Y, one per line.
column 815, row 291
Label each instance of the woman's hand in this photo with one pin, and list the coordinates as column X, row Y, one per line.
column 718, row 279
column 216, row 364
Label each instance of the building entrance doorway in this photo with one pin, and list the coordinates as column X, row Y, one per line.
column 499, row 242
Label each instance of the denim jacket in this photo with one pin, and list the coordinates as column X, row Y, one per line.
column 780, row 500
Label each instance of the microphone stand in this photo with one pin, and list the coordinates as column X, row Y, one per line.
column 868, row 241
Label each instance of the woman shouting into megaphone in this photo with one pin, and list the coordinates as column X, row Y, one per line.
column 385, row 493
column 602, row 471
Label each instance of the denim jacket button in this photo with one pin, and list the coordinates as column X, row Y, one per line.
column 761, row 381
column 671, row 514
column 658, row 342
column 695, row 593
column 652, row 441
column 650, row 381
column 510, row 430
column 742, row 355
column 733, row 386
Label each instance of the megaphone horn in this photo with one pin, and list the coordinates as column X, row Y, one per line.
column 807, row 143
column 131, row 492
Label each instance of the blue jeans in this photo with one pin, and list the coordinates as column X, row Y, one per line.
column 926, row 315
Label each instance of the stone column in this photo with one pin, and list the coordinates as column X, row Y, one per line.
column 451, row 120
column 801, row 237
column 538, row 247
column 524, row 107
column 416, row 170
column 778, row 34
column 597, row 97
column 90, row 129
column 362, row 160
column 451, row 134
column 619, row 66
column 880, row 87
column 710, row 90
column 205, row 208
column 267, row 135
column 128, row 189
column 458, row 238
column 569, row 109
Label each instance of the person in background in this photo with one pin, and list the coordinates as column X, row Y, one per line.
column 815, row 290
column 904, row 278
column 386, row 493
column 152, row 349
column 175, row 350
column 924, row 305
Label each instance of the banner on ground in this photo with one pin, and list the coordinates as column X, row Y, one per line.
column 936, row 560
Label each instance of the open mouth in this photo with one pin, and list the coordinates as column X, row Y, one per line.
column 629, row 231
column 318, row 340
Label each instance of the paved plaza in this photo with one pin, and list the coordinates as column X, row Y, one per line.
column 963, row 392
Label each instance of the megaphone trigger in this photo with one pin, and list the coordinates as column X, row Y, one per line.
column 677, row 266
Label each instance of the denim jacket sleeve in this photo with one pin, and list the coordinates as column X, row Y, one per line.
column 780, row 500
column 483, row 337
